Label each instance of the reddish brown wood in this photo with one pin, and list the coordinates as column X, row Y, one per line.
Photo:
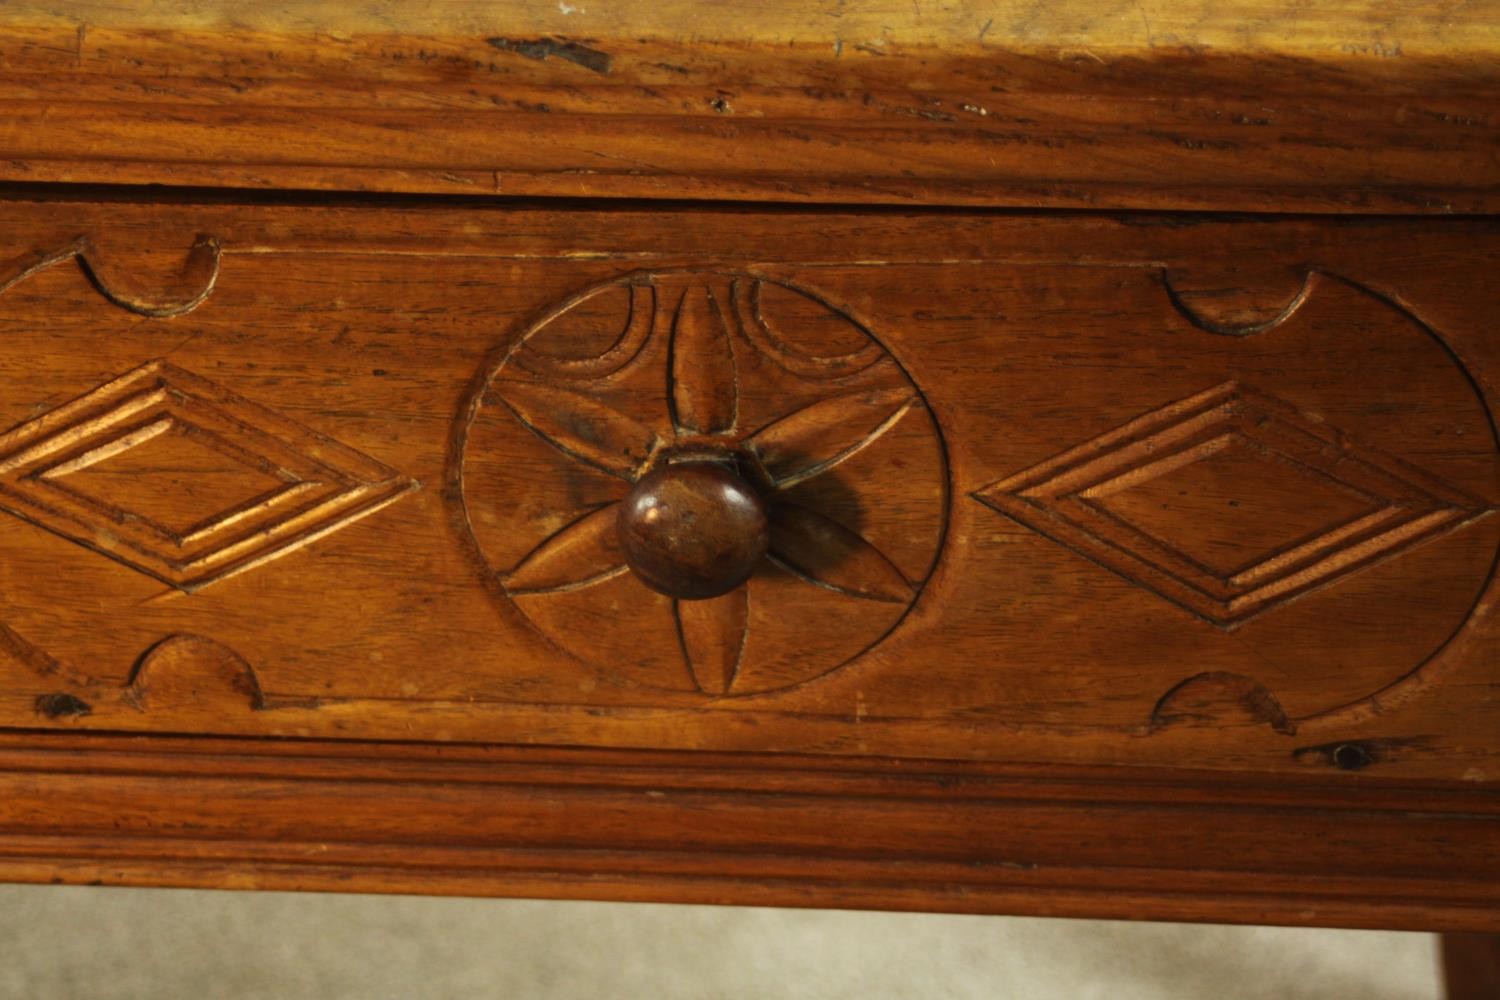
column 1251, row 105
column 936, row 693
column 1097, row 563
column 1471, row 966
column 752, row 829
column 693, row 529
column 1049, row 652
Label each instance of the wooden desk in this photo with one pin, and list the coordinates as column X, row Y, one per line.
column 1055, row 450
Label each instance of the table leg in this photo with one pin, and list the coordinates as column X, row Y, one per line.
column 1471, row 966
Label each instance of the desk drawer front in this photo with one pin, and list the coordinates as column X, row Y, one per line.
column 1067, row 490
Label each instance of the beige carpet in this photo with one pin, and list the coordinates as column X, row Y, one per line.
column 58, row 942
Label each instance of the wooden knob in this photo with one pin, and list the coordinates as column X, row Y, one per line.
column 693, row 529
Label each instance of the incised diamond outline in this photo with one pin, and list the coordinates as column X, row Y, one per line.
column 318, row 485
column 1066, row 499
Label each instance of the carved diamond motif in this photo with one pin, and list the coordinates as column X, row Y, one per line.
column 182, row 480
column 166, row 474
column 1166, row 501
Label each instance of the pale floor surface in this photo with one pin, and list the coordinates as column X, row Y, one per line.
column 58, row 943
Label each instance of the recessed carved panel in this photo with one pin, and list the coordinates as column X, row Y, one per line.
column 1243, row 522
column 1231, row 502
column 657, row 368
column 182, row 480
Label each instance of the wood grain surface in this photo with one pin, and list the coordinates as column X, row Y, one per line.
column 773, row 830
column 1123, row 562
column 1087, row 490
column 1471, row 966
column 1255, row 105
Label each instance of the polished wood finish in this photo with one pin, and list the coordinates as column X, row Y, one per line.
column 1251, row 105
column 398, row 511
column 1471, row 966
column 1114, row 563
column 334, row 501
column 693, row 530
column 767, row 829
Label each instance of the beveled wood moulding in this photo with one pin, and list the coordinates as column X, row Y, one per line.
column 1082, row 536
column 1239, row 105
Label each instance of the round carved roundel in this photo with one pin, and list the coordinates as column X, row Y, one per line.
column 769, row 382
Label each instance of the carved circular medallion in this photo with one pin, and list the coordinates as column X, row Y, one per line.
column 652, row 373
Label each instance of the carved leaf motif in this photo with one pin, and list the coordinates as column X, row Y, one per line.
column 812, row 440
column 583, row 552
column 703, row 391
column 826, row 553
column 579, row 425
column 713, row 638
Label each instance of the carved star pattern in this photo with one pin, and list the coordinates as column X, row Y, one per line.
column 713, row 323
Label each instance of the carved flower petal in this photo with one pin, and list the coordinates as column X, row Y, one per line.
column 824, row 552
column 578, row 425
column 583, row 552
column 812, row 440
column 713, row 637
column 703, row 393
